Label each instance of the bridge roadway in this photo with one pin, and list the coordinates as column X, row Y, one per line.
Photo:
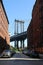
column 20, row 36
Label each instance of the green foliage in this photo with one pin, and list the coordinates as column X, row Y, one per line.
column 13, row 49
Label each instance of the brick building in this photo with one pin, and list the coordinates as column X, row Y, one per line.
column 4, row 35
column 37, row 26
column 30, row 34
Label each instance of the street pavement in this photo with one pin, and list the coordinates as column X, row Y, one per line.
column 20, row 55
column 20, row 59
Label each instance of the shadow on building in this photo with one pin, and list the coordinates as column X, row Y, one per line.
column 3, row 44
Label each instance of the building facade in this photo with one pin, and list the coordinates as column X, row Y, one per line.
column 30, row 34
column 37, row 26
column 4, row 35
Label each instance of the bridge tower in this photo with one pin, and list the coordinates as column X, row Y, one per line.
column 19, row 28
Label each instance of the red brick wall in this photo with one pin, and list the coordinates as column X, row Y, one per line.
column 30, row 34
column 37, row 26
column 4, row 26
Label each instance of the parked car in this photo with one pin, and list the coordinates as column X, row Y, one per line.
column 12, row 53
column 34, row 54
column 27, row 52
column 30, row 53
column 0, row 55
column 24, row 51
column 6, row 53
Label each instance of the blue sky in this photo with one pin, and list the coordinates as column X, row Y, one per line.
column 18, row 9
